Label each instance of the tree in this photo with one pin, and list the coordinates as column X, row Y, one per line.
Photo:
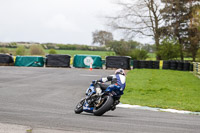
column 178, row 15
column 137, row 54
column 194, row 32
column 52, row 51
column 198, row 55
column 149, row 48
column 139, row 18
column 20, row 50
column 123, row 47
column 102, row 37
column 169, row 49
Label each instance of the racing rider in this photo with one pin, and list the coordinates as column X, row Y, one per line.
column 117, row 81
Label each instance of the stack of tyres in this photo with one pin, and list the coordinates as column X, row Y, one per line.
column 191, row 67
column 166, row 65
column 150, row 64
column 58, row 60
column 173, row 65
column 156, row 64
column 123, row 62
column 87, row 61
column 180, row 66
column 136, row 64
column 29, row 61
column 6, row 60
column 186, row 66
column 146, row 64
column 143, row 64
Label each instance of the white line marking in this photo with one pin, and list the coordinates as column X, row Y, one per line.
column 156, row 109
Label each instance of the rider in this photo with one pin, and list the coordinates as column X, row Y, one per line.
column 117, row 81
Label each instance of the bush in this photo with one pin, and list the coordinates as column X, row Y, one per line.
column 20, row 50
column 4, row 50
column 52, row 51
column 169, row 49
column 36, row 50
column 138, row 54
column 122, row 47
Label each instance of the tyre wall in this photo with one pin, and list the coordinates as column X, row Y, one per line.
column 87, row 61
column 6, row 60
column 177, row 65
column 123, row 62
column 146, row 64
column 29, row 61
column 56, row 60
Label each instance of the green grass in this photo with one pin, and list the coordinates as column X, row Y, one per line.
column 103, row 54
column 162, row 88
column 74, row 52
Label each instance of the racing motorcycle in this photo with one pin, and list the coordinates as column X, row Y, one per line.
column 99, row 99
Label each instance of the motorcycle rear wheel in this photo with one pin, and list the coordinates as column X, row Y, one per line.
column 79, row 107
column 106, row 105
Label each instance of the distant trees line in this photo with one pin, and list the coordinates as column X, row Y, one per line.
column 56, row 46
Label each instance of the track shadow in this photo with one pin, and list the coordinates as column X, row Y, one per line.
column 92, row 115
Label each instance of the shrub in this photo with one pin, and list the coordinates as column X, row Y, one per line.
column 20, row 50
column 36, row 50
column 122, row 47
column 52, row 51
column 138, row 54
column 4, row 50
column 169, row 49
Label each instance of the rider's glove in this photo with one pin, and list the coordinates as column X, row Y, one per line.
column 94, row 81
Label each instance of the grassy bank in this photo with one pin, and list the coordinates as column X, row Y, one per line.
column 103, row 54
column 74, row 52
column 162, row 88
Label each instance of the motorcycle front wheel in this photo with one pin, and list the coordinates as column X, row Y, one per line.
column 105, row 106
column 79, row 107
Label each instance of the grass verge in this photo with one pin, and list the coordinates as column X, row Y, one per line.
column 103, row 54
column 162, row 88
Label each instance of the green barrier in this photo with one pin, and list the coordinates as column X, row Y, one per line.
column 85, row 61
column 29, row 61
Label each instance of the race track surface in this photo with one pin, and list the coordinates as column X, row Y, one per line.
column 46, row 97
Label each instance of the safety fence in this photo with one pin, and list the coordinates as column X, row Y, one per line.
column 95, row 61
column 196, row 68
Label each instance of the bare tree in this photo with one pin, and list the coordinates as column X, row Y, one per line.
column 102, row 37
column 139, row 18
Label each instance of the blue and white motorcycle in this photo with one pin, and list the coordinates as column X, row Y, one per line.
column 99, row 99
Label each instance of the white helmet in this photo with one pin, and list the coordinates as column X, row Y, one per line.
column 120, row 71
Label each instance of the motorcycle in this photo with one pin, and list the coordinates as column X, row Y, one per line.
column 99, row 99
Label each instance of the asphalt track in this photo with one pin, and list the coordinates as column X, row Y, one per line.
column 46, row 97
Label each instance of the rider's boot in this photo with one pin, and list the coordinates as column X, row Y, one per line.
column 114, row 105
